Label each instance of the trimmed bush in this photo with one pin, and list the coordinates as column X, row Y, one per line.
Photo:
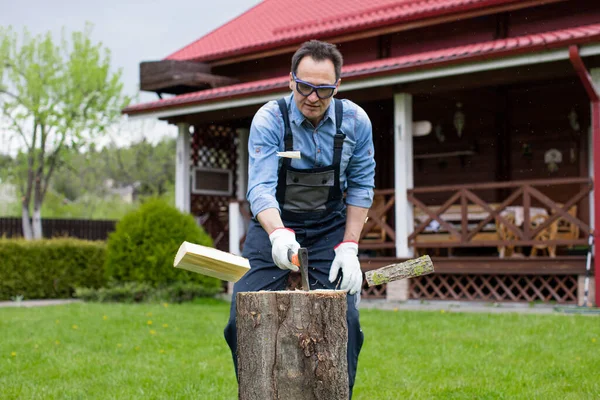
column 49, row 268
column 135, row 292
column 130, row 292
column 144, row 244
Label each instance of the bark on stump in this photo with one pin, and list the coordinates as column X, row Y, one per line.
column 292, row 345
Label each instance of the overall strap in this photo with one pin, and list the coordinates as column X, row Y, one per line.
column 338, row 140
column 288, row 139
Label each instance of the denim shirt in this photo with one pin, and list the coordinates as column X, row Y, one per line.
column 357, row 168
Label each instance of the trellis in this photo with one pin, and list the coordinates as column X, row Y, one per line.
column 495, row 287
column 214, row 146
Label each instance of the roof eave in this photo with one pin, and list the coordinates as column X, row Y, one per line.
column 430, row 70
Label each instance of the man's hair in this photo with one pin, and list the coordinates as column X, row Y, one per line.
column 319, row 51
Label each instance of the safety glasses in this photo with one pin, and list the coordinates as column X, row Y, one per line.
column 306, row 89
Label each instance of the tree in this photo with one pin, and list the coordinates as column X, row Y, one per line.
column 55, row 97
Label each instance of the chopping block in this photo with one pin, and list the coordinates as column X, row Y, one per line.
column 292, row 345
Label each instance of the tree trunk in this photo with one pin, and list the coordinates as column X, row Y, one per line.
column 292, row 345
column 37, row 223
column 27, row 231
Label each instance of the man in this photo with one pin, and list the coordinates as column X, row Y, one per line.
column 299, row 202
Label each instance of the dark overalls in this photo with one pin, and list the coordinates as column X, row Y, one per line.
column 311, row 204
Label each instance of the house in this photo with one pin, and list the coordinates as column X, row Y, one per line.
column 484, row 113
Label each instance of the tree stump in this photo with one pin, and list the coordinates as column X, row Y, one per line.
column 292, row 345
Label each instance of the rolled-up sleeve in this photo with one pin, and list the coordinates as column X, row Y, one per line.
column 360, row 174
column 263, row 163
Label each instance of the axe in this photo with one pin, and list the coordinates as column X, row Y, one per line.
column 226, row 266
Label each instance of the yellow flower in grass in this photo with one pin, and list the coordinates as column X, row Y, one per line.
column 593, row 340
column 165, row 305
column 118, row 344
column 104, row 317
column 149, row 322
column 442, row 311
column 162, row 351
column 57, row 321
column 13, row 354
column 75, row 327
column 152, row 332
column 165, row 325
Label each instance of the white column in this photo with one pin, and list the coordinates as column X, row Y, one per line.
column 403, row 172
column 237, row 225
column 182, row 168
column 242, row 163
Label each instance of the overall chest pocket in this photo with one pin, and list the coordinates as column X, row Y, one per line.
column 307, row 191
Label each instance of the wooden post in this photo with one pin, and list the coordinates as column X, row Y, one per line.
column 292, row 345
column 403, row 172
column 182, row 169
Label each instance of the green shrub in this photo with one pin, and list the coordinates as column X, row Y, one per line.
column 144, row 244
column 130, row 292
column 179, row 292
column 49, row 268
column 136, row 292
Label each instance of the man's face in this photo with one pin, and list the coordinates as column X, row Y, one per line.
column 317, row 73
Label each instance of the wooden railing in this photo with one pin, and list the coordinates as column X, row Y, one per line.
column 378, row 232
column 474, row 229
column 464, row 219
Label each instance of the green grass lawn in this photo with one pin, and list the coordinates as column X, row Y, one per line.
column 157, row 351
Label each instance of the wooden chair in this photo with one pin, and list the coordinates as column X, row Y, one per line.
column 566, row 229
column 506, row 234
column 546, row 234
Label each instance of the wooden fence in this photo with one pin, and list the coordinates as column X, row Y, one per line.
column 54, row 227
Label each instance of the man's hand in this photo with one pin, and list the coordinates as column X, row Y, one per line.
column 346, row 259
column 282, row 240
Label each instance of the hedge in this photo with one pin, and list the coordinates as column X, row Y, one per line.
column 49, row 268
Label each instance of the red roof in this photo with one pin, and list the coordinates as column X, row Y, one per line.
column 396, row 65
column 262, row 27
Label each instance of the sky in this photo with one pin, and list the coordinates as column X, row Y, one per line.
column 134, row 31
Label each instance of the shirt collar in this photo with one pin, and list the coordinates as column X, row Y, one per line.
column 298, row 118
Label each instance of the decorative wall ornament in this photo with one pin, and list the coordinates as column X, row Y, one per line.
column 574, row 120
column 459, row 119
column 552, row 158
column 439, row 134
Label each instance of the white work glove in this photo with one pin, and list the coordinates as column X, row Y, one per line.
column 282, row 240
column 346, row 259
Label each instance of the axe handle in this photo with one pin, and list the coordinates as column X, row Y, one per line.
column 294, row 260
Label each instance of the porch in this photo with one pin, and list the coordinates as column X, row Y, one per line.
column 522, row 246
